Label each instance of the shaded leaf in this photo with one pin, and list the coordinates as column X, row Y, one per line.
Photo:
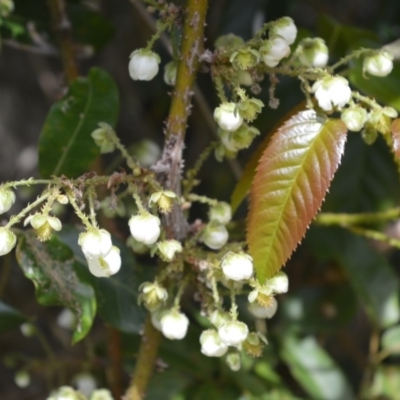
column 290, row 184
column 386, row 382
column 396, row 136
column 52, row 268
column 391, row 340
column 65, row 144
column 117, row 296
column 166, row 385
column 9, row 317
column 315, row 370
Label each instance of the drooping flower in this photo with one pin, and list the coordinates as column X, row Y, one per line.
column 95, row 243
column 7, row 241
column 211, row 344
column 104, row 267
column 313, row 53
column 145, row 227
column 227, row 117
column 286, row 28
column 378, row 64
column 143, row 65
column 265, row 311
column 274, row 50
column 168, row 249
column 215, row 235
column 332, row 91
column 233, row 333
column 237, row 266
column 174, row 325
column 7, row 199
column 220, row 212
column 354, row 118
column 152, row 295
column 43, row 224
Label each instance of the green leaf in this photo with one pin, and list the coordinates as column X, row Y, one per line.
column 386, row 382
column 52, row 268
column 315, row 370
column 384, row 89
column 166, row 385
column 117, row 296
column 289, row 187
column 9, row 317
column 391, row 340
column 65, row 145
column 372, row 278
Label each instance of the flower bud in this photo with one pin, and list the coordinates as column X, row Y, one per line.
column 274, row 50
column 233, row 333
column 62, row 199
column 101, row 394
column 22, row 379
column 286, row 28
column 279, row 283
column 211, row 344
column 95, row 243
column 104, row 138
column 245, row 58
column 233, row 361
column 221, row 212
column 265, row 311
column 7, row 199
column 253, row 345
column 215, row 235
column 354, row 118
column 369, row 135
column 104, row 267
column 164, row 200
column 43, row 224
column 146, row 152
column 244, row 78
column 250, row 108
column 145, row 228
column 380, row 63
column 7, row 241
column 174, row 325
column 170, row 71
column 168, row 248
column 152, row 295
column 227, row 117
column 332, row 91
column 313, row 53
column 143, row 65
column 66, row 393
column 237, row 266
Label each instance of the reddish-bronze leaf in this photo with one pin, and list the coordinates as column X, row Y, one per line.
column 396, row 136
column 292, row 178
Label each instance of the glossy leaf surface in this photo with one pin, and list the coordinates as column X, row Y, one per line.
column 9, row 317
column 65, row 145
column 289, row 187
column 51, row 267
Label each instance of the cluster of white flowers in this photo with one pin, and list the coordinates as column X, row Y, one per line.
column 215, row 234
column 69, row 393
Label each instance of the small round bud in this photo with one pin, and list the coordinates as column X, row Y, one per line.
column 85, row 383
column 7, row 241
column 211, row 344
column 245, row 58
column 253, row 345
column 380, row 63
column 332, row 91
column 174, row 325
column 168, row 248
column 170, row 71
column 145, row 228
column 104, row 267
column 274, row 50
column 164, row 200
column 215, row 235
column 313, row 53
column 143, row 65
column 104, row 137
column 22, row 379
column 369, row 135
column 237, row 266
column 101, row 394
column 152, row 295
column 66, row 319
column 262, row 312
column 28, row 329
column 286, row 28
column 221, row 212
column 279, row 283
column 233, row 361
column 95, row 243
column 354, row 118
column 62, row 199
column 233, row 333
column 7, row 199
column 227, row 117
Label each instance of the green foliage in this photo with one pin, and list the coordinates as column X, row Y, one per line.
column 9, row 317
column 290, row 184
column 52, row 268
column 65, row 144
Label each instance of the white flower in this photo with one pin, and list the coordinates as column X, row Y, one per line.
column 313, row 53
column 286, row 28
column 237, row 266
column 215, row 235
column 143, row 65
column 378, row 64
column 152, row 295
column 211, row 344
column 156, row 318
column 85, row 383
column 170, row 70
column 66, row 393
column 95, row 243
column 332, row 91
column 101, row 394
column 104, row 267
column 221, row 212
column 174, row 325
column 38, row 220
column 273, row 50
column 7, row 241
column 354, row 118
column 227, row 117
column 264, row 312
column 279, row 283
column 7, row 199
column 145, row 228
column 168, row 248
column 233, row 333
